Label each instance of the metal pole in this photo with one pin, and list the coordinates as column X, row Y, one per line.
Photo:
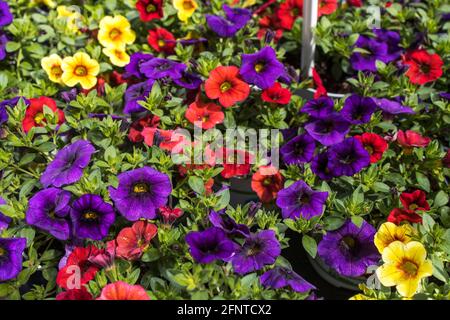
column 310, row 11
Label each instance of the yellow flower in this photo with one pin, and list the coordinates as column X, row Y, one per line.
column 390, row 232
column 70, row 16
column 185, row 8
column 404, row 266
column 118, row 57
column 80, row 69
column 52, row 65
column 360, row 296
column 48, row 3
column 115, row 32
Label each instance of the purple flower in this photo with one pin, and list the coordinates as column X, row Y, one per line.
column 189, row 81
column 320, row 166
column 4, row 220
column 445, row 95
column 392, row 39
column 47, row 209
column 140, row 193
column 261, row 68
column 375, row 51
column 349, row 250
column 135, row 93
column 68, row 165
column 298, row 150
column 299, row 200
column 6, row 16
column 210, row 245
column 235, row 20
column 10, row 103
column 393, row 106
column 280, row 277
column 223, row 221
column 320, row 107
column 3, row 41
column 158, row 68
column 91, row 217
column 328, row 130
column 69, row 95
column 258, row 250
column 133, row 69
column 11, row 250
column 348, row 158
column 358, row 110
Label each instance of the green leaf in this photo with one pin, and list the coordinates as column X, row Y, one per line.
column 441, row 199
column 12, row 46
column 196, row 184
column 381, row 187
column 310, row 245
column 423, row 181
column 150, row 255
column 427, row 222
column 333, row 223
column 357, row 221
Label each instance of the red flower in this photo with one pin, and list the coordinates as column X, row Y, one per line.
column 374, row 144
column 411, row 139
column 123, row 291
column 208, row 115
column 288, row 12
column 398, row 215
column 416, row 200
column 355, row 3
column 225, row 84
column 235, row 162
column 34, row 115
column 117, row 78
column 78, row 270
column 169, row 215
column 161, row 40
column 150, row 9
column 423, row 67
column 165, row 139
column 270, row 22
column 266, row 182
column 74, row 294
column 276, row 94
column 327, row 7
column 134, row 240
column 208, row 186
column 149, row 121
column 320, row 89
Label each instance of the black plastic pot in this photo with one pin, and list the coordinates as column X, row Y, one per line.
column 241, row 191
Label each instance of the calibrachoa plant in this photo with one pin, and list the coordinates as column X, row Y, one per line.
column 99, row 199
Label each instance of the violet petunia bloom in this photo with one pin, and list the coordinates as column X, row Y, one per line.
column 3, row 41
column 4, row 220
column 358, row 110
column 258, row 250
column 298, row 150
column 69, row 95
column 158, row 68
column 392, row 39
column 366, row 61
column 47, row 209
column 68, row 165
column 140, row 193
column 280, row 277
column 223, row 221
column 328, row 130
column 210, row 245
column 10, row 103
column 261, row 68
column 6, row 16
column 133, row 69
column 349, row 250
column 320, row 166
column 348, row 158
column 91, row 217
column 11, row 250
column 135, row 93
column 189, row 81
column 320, row 107
column 394, row 106
column 236, row 19
column 299, row 200
column 445, row 95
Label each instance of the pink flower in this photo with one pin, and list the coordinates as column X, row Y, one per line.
column 123, row 291
column 411, row 139
column 134, row 240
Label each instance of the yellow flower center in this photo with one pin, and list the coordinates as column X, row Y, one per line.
column 369, row 149
column 39, row 117
column 90, row 215
column 267, row 181
column 259, row 67
column 410, row 268
column 2, row 252
column 140, row 188
column 349, row 241
column 80, row 71
column 205, row 119
column 114, row 33
column 56, row 70
column 224, row 87
column 413, row 206
column 151, row 8
column 161, row 43
column 188, row 5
